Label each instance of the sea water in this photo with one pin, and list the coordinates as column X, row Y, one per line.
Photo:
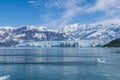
column 59, row 64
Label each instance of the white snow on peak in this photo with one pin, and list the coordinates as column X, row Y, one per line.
column 72, row 28
column 40, row 35
column 92, row 31
column 42, row 28
column 31, row 27
column 19, row 35
column 6, row 27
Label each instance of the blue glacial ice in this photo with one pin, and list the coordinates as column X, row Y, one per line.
column 79, row 44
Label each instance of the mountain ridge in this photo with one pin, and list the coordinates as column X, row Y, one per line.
column 10, row 36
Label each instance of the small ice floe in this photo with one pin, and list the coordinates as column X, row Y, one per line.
column 4, row 77
column 97, row 60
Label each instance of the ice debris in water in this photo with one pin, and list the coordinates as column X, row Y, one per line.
column 4, row 77
column 97, row 60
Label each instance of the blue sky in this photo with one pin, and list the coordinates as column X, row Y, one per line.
column 56, row 13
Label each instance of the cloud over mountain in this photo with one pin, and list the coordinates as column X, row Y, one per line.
column 62, row 12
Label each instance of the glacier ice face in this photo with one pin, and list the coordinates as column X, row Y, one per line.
column 79, row 44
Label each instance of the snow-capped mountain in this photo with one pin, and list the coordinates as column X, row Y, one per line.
column 92, row 31
column 10, row 36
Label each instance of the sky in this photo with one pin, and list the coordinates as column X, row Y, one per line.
column 57, row 13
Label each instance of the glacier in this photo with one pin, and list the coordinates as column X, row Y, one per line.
column 76, row 44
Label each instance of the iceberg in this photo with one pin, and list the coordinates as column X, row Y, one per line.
column 78, row 44
column 97, row 60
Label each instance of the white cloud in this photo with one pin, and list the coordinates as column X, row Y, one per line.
column 55, row 3
column 71, row 9
column 102, row 5
column 34, row 3
column 110, row 9
column 109, row 21
column 31, row 2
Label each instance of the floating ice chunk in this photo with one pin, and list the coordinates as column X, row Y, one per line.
column 97, row 60
column 4, row 77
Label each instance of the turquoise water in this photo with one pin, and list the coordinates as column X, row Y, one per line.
column 60, row 63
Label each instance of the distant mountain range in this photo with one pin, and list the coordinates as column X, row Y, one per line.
column 92, row 32
column 10, row 36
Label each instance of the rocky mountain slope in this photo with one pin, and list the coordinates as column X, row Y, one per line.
column 113, row 43
column 92, row 32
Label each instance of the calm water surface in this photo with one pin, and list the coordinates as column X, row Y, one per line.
column 60, row 63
